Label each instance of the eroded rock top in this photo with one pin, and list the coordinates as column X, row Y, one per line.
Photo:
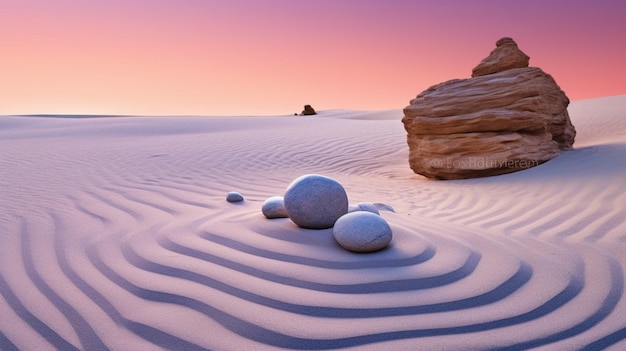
column 505, row 56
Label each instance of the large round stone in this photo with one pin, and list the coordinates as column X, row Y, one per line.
column 362, row 231
column 274, row 207
column 315, row 201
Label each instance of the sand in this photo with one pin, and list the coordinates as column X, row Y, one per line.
column 115, row 234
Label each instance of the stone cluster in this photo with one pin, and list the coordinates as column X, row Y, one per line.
column 315, row 201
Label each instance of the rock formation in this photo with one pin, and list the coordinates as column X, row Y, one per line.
column 308, row 110
column 506, row 118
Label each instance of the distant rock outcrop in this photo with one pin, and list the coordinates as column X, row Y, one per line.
column 506, row 118
column 308, row 110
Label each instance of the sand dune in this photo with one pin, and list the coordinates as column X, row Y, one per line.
column 116, row 235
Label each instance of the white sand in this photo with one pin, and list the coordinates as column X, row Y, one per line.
column 115, row 234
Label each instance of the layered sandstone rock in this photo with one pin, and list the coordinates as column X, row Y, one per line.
column 507, row 117
column 505, row 56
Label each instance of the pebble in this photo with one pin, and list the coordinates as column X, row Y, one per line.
column 234, row 196
column 274, row 207
column 364, row 206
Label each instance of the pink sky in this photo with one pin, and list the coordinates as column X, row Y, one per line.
column 235, row 57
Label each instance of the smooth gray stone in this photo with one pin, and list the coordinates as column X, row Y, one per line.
column 274, row 207
column 383, row 207
column 362, row 231
column 353, row 208
column 364, row 206
column 234, row 196
column 315, row 201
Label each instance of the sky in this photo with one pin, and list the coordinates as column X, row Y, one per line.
column 271, row 57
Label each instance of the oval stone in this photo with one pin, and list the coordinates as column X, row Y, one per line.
column 315, row 201
column 362, row 231
column 274, row 207
column 365, row 206
column 234, row 196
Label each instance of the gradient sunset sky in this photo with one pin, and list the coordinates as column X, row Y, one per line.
column 261, row 57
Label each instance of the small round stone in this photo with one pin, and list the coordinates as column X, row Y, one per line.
column 383, row 207
column 364, row 206
column 315, row 201
column 362, row 231
column 353, row 208
column 274, row 207
column 234, row 196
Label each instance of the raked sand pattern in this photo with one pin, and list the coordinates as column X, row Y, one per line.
column 115, row 235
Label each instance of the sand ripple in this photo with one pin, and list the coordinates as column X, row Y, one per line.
column 133, row 246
